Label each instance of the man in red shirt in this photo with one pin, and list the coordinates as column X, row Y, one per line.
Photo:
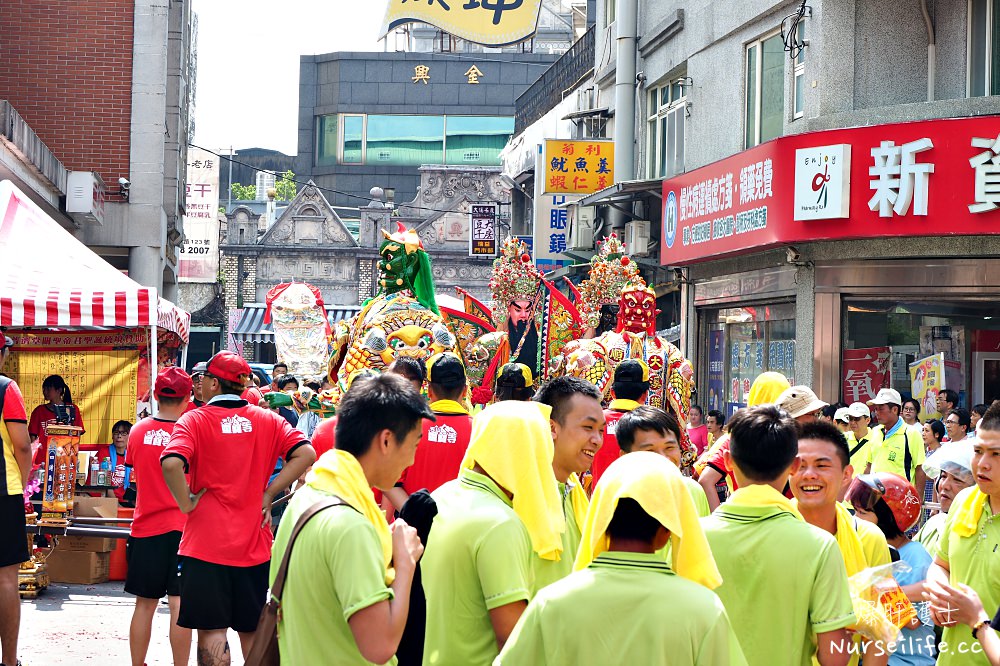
column 157, row 524
column 630, row 388
column 15, row 448
column 444, row 441
column 229, row 449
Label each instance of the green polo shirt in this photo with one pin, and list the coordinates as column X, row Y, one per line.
column 478, row 558
column 974, row 561
column 929, row 535
column 547, row 572
column 337, row 569
column 699, row 497
column 888, row 454
column 784, row 581
column 625, row 608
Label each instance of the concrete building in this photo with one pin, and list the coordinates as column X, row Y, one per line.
column 106, row 87
column 797, row 239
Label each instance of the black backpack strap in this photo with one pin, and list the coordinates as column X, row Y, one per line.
column 857, row 448
column 908, row 457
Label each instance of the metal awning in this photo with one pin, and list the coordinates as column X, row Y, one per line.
column 623, row 192
column 251, row 326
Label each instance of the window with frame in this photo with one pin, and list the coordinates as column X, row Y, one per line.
column 609, row 11
column 799, row 73
column 984, row 48
column 765, row 90
column 667, row 108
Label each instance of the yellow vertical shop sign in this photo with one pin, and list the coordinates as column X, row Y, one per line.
column 487, row 22
column 578, row 167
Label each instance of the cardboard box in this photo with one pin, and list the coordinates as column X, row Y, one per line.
column 90, row 544
column 95, row 507
column 78, row 566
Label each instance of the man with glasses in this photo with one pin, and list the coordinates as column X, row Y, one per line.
column 958, row 422
column 946, row 401
column 894, row 447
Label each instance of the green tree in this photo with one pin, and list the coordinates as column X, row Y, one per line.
column 286, row 187
column 244, row 192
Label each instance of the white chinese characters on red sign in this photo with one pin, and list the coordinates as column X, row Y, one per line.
column 942, row 173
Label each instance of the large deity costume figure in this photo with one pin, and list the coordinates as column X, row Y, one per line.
column 614, row 275
column 401, row 320
column 529, row 323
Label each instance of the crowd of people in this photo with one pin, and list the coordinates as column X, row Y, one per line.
column 547, row 528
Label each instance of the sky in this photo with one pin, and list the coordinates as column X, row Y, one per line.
column 248, row 63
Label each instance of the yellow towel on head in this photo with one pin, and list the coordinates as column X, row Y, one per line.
column 512, row 442
column 968, row 513
column 657, row 485
column 766, row 388
column 759, row 495
column 340, row 473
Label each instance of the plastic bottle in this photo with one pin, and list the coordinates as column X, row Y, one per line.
column 95, row 467
column 106, row 464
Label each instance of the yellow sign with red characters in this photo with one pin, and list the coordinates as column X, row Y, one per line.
column 578, row 167
column 487, row 22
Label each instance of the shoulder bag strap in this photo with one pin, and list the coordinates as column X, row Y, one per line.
column 908, row 457
column 279, row 580
column 858, row 447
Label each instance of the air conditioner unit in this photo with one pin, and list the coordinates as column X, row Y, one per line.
column 585, row 99
column 637, row 237
column 85, row 197
column 581, row 228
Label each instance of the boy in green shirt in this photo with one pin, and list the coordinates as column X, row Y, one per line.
column 577, row 423
column 969, row 543
column 784, row 580
column 590, row 618
column 337, row 606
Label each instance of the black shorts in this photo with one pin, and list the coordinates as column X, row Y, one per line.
column 216, row 596
column 13, row 538
column 152, row 566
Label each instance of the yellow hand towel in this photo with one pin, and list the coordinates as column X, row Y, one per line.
column 657, row 485
column 969, row 511
column 766, row 389
column 512, row 442
column 623, row 405
column 759, row 495
column 578, row 500
column 340, row 473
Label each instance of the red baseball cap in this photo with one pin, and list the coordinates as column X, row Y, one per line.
column 172, row 382
column 229, row 367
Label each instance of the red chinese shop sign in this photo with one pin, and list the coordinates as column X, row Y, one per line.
column 928, row 178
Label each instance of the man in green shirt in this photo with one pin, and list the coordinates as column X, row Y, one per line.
column 784, row 581
column 895, row 448
column 492, row 520
column 577, row 423
column 337, row 607
column 969, row 544
column 626, row 606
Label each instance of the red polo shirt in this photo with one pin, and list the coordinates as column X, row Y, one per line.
column 610, row 451
column 230, row 448
column 441, row 450
column 156, row 510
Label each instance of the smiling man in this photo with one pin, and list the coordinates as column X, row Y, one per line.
column 824, row 472
column 577, row 422
column 969, row 542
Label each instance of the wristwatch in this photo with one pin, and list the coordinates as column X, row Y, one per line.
column 985, row 622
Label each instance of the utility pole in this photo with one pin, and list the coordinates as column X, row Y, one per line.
column 229, row 207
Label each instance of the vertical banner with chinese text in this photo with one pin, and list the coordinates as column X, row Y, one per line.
column 199, row 258
column 716, row 370
column 483, row 230
column 865, row 372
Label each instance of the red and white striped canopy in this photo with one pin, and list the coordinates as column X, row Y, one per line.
column 50, row 279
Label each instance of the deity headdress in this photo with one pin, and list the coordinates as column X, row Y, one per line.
column 611, row 270
column 405, row 265
column 514, row 278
